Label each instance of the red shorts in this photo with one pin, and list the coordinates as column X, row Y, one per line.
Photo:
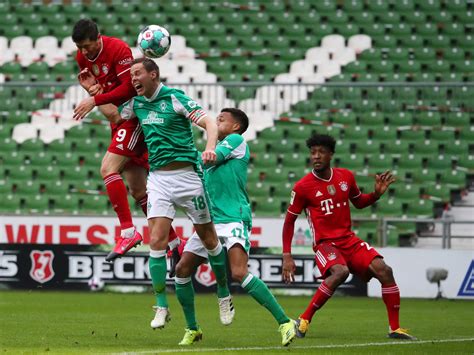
column 351, row 251
column 128, row 140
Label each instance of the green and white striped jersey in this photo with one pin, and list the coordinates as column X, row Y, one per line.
column 166, row 119
column 226, row 182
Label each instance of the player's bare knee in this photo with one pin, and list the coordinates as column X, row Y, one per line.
column 183, row 270
column 238, row 274
column 386, row 274
column 105, row 170
column 340, row 273
column 137, row 194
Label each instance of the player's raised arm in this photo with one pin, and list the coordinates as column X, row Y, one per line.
column 382, row 182
column 209, row 124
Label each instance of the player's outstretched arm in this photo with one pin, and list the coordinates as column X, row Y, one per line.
column 382, row 182
column 209, row 155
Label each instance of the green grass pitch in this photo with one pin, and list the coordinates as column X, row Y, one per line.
column 81, row 322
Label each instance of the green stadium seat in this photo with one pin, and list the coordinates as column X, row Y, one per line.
column 309, row 18
column 20, row 173
column 454, row 178
column 414, row 18
column 258, row 147
column 31, row 146
column 439, row 192
column 258, row 186
column 325, row 7
column 465, row 17
column 48, row 173
column 67, row 160
column 98, row 204
column 351, row 162
column 389, row 208
column 26, row 188
column 266, row 161
column 406, row 192
column 421, row 208
column 39, row 159
column 440, row 162
column 11, row 204
column 38, row 204
column 13, row 31
column 425, row 147
column 456, row 148
column 8, row 146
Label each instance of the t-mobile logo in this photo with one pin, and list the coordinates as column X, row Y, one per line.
column 327, row 205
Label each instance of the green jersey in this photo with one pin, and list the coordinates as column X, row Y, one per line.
column 226, row 182
column 166, row 119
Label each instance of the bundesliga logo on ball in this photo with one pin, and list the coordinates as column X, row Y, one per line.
column 154, row 41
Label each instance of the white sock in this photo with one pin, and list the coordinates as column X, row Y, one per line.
column 216, row 251
column 128, row 233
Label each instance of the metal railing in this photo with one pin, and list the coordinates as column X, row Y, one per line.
column 446, row 236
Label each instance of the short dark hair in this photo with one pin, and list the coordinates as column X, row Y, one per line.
column 149, row 64
column 240, row 116
column 85, row 29
column 323, row 140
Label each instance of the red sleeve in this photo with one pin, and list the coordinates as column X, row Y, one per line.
column 358, row 199
column 288, row 231
column 122, row 93
column 122, row 61
column 364, row 200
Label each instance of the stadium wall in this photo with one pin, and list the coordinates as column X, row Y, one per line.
column 410, row 267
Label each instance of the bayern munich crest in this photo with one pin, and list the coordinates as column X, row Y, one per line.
column 41, row 265
column 343, row 185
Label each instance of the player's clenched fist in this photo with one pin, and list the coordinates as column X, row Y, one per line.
column 208, row 156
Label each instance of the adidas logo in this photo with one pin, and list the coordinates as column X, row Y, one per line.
column 318, row 194
column 119, row 146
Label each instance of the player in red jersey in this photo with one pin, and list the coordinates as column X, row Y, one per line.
column 324, row 194
column 105, row 73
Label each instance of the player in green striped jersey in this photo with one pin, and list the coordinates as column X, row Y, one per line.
column 175, row 179
column 226, row 180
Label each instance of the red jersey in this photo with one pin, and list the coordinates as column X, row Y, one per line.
column 111, row 68
column 326, row 203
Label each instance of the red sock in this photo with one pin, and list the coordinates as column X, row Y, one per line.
column 118, row 197
column 319, row 299
column 391, row 298
column 143, row 201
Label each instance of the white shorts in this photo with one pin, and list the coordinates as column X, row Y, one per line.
column 182, row 188
column 229, row 234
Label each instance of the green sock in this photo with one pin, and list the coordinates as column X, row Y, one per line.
column 158, row 269
column 185, row 295
column 260, row 292
column 217, row 259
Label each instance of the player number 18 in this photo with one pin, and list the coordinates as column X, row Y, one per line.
column 199, row 202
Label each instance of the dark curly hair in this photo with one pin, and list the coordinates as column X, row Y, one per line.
column 322, row 140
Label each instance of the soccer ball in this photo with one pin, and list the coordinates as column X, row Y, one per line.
column 154, row 41
column 95, row 284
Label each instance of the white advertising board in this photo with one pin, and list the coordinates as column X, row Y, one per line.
column 266, row 232
column 409, row 268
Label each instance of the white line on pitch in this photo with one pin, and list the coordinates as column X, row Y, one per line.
column 328, row 346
